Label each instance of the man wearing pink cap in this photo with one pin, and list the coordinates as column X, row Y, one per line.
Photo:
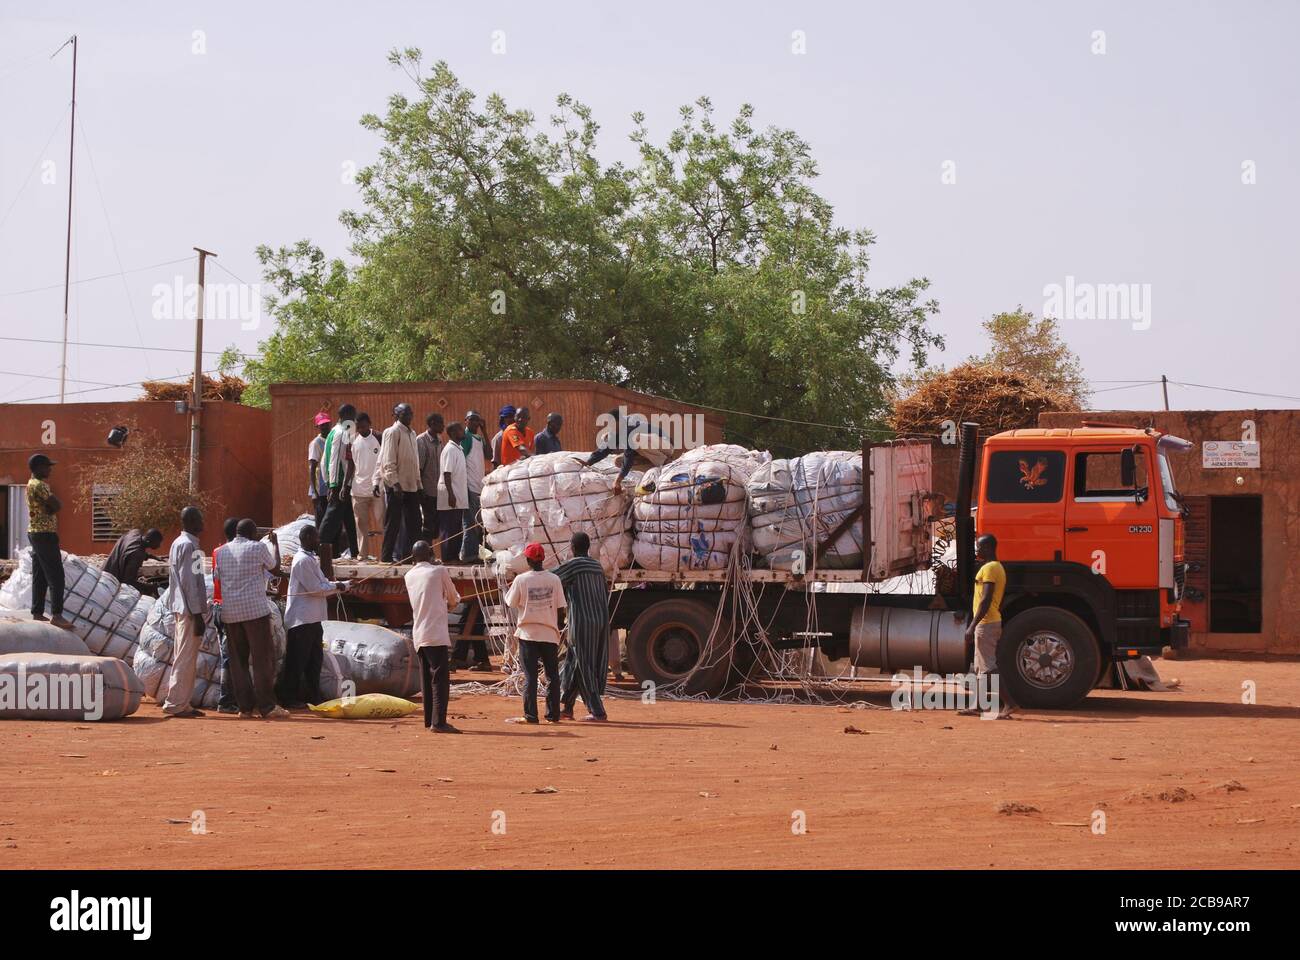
column 536, row 597
column 317, row 491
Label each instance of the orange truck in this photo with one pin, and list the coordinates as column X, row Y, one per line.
column 1089, row 525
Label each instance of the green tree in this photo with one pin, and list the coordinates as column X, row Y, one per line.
column 486, row 248
column 1034, row 348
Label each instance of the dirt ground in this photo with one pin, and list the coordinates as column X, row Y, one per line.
column 678, row 785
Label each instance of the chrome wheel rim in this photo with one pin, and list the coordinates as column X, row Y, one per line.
column 1045, row 659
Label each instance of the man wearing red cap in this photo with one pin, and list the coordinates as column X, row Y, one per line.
column 536, row 597
column 317, row 492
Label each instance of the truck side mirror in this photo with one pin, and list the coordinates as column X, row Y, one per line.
column 1127, row 468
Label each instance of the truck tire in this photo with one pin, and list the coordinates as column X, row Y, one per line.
column 1048, row 659
column 669, row 644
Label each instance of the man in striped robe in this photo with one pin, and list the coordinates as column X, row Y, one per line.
column 587, row 596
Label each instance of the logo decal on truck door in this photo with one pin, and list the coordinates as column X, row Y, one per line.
column 1032, row 477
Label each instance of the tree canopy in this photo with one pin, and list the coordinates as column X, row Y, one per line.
column 487, row 248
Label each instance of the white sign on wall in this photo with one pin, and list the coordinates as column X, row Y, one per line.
column 1230, row 454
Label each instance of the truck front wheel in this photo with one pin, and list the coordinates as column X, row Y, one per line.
column 670, row 644
column 1047, row 659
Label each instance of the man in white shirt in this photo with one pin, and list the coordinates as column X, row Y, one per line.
column 453, row 493
column 187, row 598
column 399, row 469
column 536, row 596
column 305, row 611
column 432, row 596
column 367, row 503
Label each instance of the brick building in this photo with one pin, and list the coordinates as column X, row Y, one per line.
column 234, row 466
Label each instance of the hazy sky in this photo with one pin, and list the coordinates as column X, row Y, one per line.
column 997, row 148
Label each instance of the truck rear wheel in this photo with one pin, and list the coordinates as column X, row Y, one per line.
column 669, row 644
column 1047, row 659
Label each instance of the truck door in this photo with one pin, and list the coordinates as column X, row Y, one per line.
column 1023, row 502
column 1109, row 527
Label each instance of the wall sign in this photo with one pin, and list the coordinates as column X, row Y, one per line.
column 1230, row 454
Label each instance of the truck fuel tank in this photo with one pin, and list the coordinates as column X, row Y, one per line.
column 895, row 638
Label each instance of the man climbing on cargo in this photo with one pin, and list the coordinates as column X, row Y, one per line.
column 129, row 554
column 985, row 628
column 536, row 597
column 43, row 534
column 587, row 596
column 634, row 435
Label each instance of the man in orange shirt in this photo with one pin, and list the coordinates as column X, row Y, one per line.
column 517, row 441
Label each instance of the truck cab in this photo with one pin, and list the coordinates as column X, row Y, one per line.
column 1089, row 527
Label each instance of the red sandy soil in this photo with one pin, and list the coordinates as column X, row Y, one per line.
column 677, row 785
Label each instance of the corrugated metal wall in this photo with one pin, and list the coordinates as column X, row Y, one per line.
column 580, row 402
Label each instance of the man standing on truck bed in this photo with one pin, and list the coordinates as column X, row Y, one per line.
column 985, row 628
column 43, row 534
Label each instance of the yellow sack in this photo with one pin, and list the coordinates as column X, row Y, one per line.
column 368, row 706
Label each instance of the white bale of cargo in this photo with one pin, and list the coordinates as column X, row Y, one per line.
column 16, row 592
column 19, row 633
column 796, row 504
column 691, row 513
column 374, row 658
column 549, row 497
column 63, row 686
column 106, row 614
column 288, row 535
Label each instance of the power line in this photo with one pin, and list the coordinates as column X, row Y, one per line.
column 115, row 386
column 38, row 376
column 111, row 346
column 102, row 276
column 1249, row 393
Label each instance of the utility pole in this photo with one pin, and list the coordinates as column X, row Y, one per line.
column 196, row 405
column 1164, row 386
column 67, row 256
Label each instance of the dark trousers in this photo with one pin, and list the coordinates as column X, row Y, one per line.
column 530, row 651
column 251, row 646
column 586, row 665
column 303, row 655
column 401, row 523
column 429, row 526
column 338, row 528
column 320, row 503
column 435, row 684
column 227, row 690
column 463, row 647
column 47, row 573
column 450, row 528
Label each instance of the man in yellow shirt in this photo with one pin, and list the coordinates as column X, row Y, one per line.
column 43, row 534
column 985, row 627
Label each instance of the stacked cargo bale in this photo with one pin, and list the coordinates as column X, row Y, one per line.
column 794, row 505
column 106, row 614
column 70, row 687
column 691, row 514
column 548, row 498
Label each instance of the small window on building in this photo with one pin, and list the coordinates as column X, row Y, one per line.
column 1026, row 476
column 1098, row 475
column 102, row 527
